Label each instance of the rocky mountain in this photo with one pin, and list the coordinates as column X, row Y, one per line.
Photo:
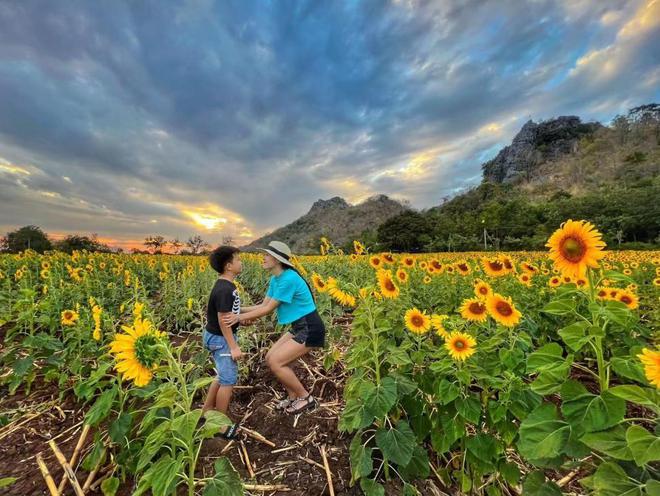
column 535, row 144
column 336, row 219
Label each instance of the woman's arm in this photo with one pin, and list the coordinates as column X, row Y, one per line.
column 266, row 307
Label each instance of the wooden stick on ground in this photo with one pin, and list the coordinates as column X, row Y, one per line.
column 68, row 471
column 327, row 470
column 90, row 477
column 74, row 457
column 47, row 477
column 248, row 464
column 266, row 487
column 258, row 436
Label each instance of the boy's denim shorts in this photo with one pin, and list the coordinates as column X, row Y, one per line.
column 225, row 366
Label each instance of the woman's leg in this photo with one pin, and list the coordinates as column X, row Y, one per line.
column 284, row 338
column 278, row 361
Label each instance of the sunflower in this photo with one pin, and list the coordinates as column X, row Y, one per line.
column 627, row 272
column 656, row 281
column 319, row 283
column 339, row 295
column 575, row 246
column 602, row 293
column 437, row 266
column 438, row 325
column 493, row 267
column 581, row 282
column 525, row 279
column 387, row 286
column 482, row 289
column 417, row 322
column 358, row 247
column 388, row 258
column 69, row 317
column 628, row 298
column 189, row 304
column 427, row 279
column 508, row 263
column 423, row 265
column 554, row 282
column 460, row 345
column 528, row 267
column 651, row 361
column 462, row 267
column 375, row 261
column 136, row 351
column 501, row 308
column 408, row 262
column 402, row 275
column 474, row 309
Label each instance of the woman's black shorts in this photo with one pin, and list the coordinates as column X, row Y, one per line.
column 309, row 330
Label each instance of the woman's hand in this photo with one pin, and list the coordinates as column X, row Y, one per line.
column 230, row 320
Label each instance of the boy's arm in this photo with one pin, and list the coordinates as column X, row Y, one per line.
column 228, row 334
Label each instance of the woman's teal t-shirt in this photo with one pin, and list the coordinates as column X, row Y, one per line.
column 293, row 294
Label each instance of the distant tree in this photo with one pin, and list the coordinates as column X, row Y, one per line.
column 228, row 240
column 621, row 126
column 28, row 237
column 196, row 244
column 155, row 243
column 176, row 245
column 79, row 242
column 406, row 232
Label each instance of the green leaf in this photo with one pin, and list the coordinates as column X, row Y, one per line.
column 355, row 415
column 371, row 488
column 617, row 312
column 361, row 462
column 380, row 399
column 645, row 446
column 397, row 356
column 536, row 485
column 469, row 408
column 101, row 409
column 7, row 481
column 225, row 482
column 159, row 477
column 636, row 394
column 545, row 356
column 447, row 392
column 482, row 446
column 397, row 444
column 611, row 480
column 404, row 385
column 184, row 425
column 628, row 368
column 551, row 378
column 652, row 487
column 559, row 307
column 574, row 335
column 409, row 490
column 109, row 486
column 543, row 434
column 510, row 472
column 589, row 412
column 120, row 427
column 155, row 440
column 418, row 467
column 214, row 422
column 611, row 442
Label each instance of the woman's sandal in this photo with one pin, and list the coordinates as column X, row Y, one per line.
column 283, row 404
column 309, row 402
column 231, row 433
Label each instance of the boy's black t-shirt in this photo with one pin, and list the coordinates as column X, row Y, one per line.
column 224, row 298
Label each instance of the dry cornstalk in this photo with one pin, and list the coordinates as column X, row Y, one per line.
column 327, row 470
column 281, row 450
column 76, row 452
column 266, row 487
column 47, row 477
column 247, row 460
column 227, row 447
column 68, row 471
column 258, row 437
column 312, row 462
column 90, row 477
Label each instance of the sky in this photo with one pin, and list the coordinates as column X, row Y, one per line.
column 230, row 118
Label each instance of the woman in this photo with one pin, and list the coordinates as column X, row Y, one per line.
column 290, row 295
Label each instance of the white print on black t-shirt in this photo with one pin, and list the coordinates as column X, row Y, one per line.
column 236, row 306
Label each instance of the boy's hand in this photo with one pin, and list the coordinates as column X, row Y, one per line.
column 236, row 353
column 230, row 320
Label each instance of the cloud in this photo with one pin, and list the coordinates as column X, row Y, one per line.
column 194, row 113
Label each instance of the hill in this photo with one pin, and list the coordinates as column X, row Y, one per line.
column 337, row 220
column 552, row 171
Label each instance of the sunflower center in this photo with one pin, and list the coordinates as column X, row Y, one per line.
column 145, row 350
column 459, row 344
column 495, row 265
column 417, row 320
column 626, row 299
column 503, row 308
column 483, row 290
column 463, row 267
column 476, row 307
column 573, row 249
column 389, row 285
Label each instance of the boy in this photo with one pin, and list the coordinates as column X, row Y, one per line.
column 220, row 339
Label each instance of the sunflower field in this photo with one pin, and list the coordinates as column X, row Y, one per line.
column 484, row 373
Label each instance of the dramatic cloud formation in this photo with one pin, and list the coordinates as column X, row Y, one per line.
column 231, row 118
